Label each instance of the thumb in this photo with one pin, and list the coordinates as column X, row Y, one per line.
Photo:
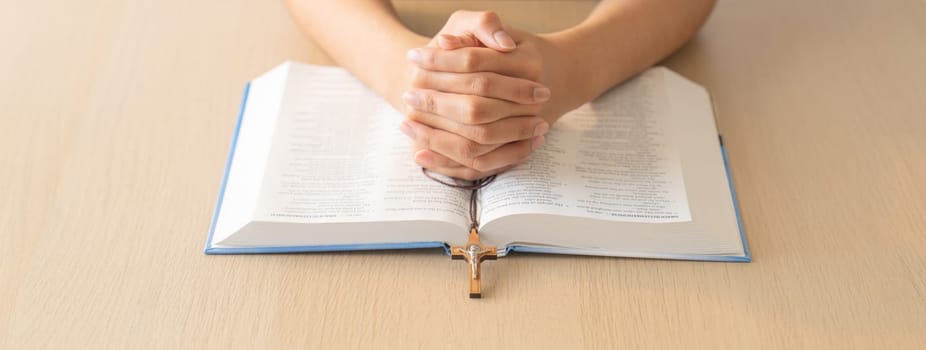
column 487, row 27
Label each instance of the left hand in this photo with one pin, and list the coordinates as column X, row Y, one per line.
column 472, row 130
column 474, row 109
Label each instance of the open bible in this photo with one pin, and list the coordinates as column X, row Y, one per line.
column 317, row 163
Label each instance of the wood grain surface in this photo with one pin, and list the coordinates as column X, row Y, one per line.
column 116, row 116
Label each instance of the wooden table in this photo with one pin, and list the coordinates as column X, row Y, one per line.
column 117, row 116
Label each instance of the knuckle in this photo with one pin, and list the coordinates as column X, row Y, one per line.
column 417, row 146
column 479, row 84
column 475, row 112
column 415, row 115
column 428, row 58
column 480, row 165
column 480, row 134
column 419, row 78
column 423, row 140
column 458, row 13
column 471, row 61
column 487, row 17
column 530, row 62
column 525, row 132
column 427, row 102
column 468, row 151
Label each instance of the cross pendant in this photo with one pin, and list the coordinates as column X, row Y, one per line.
column 474, row 253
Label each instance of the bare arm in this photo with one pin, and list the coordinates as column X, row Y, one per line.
column 365, row 37
column 620, row 38
column 470, row 120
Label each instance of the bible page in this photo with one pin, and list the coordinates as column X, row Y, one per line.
column 615, row 158
column 339, row 157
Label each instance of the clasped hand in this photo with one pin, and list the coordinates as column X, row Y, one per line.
column 475, row 98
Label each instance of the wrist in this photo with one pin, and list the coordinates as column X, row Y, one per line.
column 396, row 79
column 563, row 74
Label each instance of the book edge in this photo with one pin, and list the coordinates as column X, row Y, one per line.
column 228, row 163
column 746, row 258
column 324, row 248
column 686, row 257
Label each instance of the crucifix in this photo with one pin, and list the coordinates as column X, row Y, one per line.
column 474, row 252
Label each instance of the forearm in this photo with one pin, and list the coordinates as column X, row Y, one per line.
column 363, row 36
column 620, row 38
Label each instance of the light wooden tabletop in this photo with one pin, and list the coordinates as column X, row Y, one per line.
column 116, row 116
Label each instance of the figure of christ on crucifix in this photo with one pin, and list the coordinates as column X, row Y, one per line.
column 474, row 252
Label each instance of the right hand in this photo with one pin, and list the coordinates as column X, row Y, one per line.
column 474, row 111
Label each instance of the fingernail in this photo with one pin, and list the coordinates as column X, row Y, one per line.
column 537, row 142
column 541, row 94
column 407, row 130
column 411, row 98
column 504, row 40
column 541, row 129
column 414, row 55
